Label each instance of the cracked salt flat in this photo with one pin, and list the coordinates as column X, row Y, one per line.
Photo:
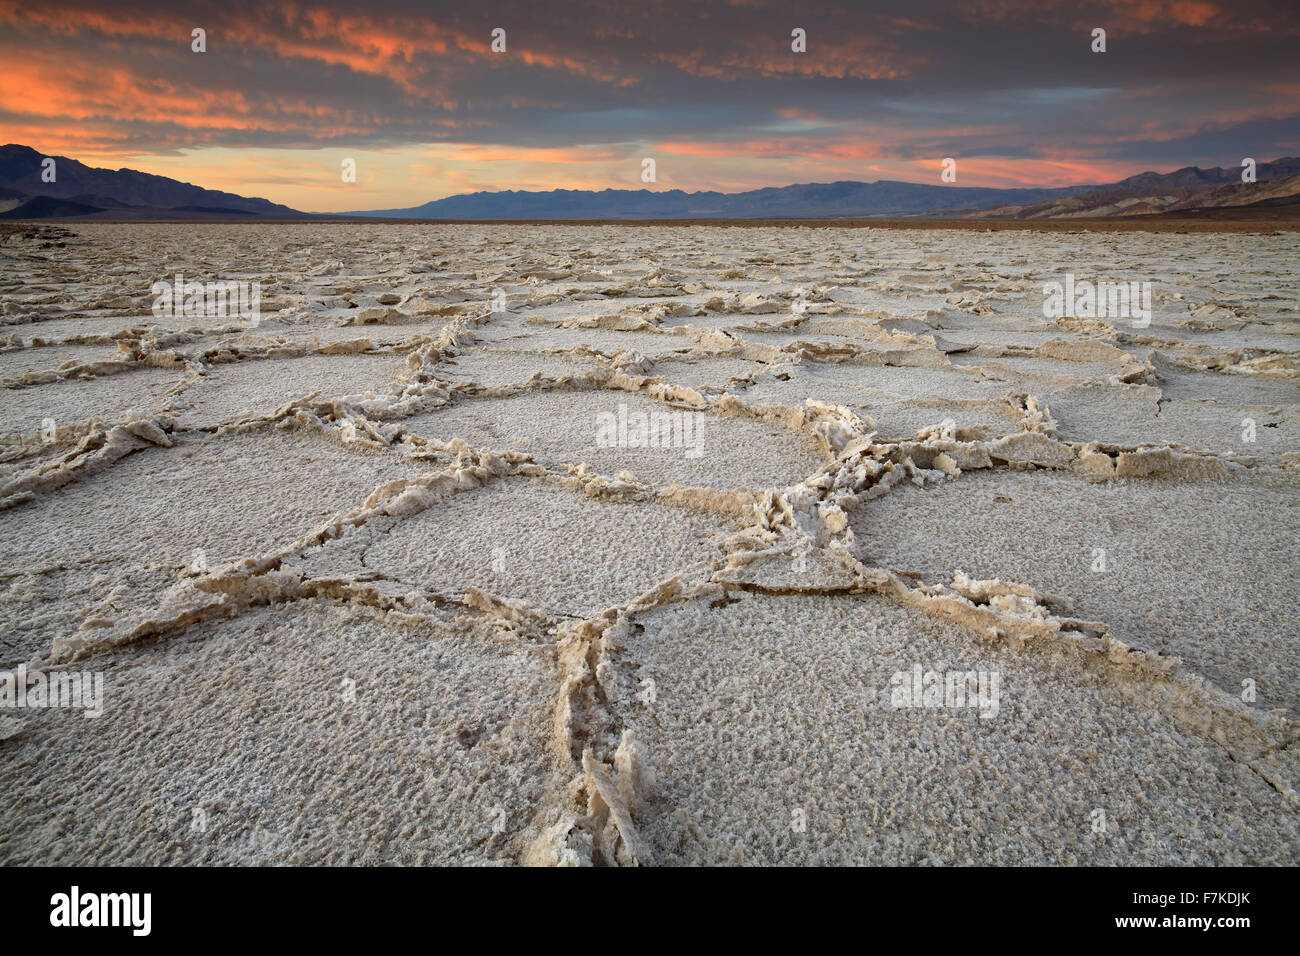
column 79, row 555
column 555, row 428
column 564, row 555
column 448, row 735
column 1230, row 616
column 438, row 621
column 788, row 702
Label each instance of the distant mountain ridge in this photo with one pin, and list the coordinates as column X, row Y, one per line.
column 125, row 193
column 85, row 193
column 845, row 200
column 1145, row 193
column 1184, row 191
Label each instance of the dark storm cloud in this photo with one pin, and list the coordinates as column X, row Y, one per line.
column 1182, row 81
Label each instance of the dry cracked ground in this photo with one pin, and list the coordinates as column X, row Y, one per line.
column 366, row 582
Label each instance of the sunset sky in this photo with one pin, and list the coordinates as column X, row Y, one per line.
column 584, row 91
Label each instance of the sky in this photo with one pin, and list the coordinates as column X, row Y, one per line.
column 414, row 94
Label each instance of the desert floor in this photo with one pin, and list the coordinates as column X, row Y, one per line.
column 368, row 581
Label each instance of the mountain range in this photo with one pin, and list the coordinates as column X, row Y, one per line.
column 839, row 200
column 1190, row 191
column 81, row 192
